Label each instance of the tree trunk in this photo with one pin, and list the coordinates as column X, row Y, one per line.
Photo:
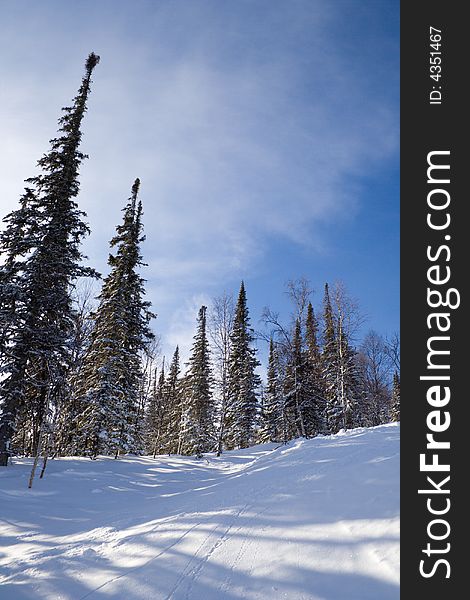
column 36, row 458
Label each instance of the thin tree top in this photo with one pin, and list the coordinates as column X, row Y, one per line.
column 135, row 188
column 91, row 62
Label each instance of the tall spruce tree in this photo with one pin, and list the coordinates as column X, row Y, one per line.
column 340, row 371
column 243, row 381
column 316, row 383
column 198, row 433
column 111, row 374
column 347, row 386
column 298, row 400
column 329, row 361
column 157, row 415
column 42, row 248
column 173, row 397
column 272, row 426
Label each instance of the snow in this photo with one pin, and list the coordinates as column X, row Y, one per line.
column 315, row 520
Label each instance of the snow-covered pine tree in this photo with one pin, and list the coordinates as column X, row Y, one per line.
column 298, row 401
column 272, row 423
column 329, row 360
column 140, row 333
column 112, row 371
column 43, row 259
column 198, row 432
column 395, row 409
column 19, row 238
column 316, row 384
column 157, row 415
column 173, row 403
column 347, row 388
column 243, row 381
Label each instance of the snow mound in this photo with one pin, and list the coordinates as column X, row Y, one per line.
column 314, row 520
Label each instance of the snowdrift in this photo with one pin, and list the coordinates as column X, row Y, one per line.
column 313, row 520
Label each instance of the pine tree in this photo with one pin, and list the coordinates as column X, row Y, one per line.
column 43, row 259
column 243, row 381
column 272, row 429
column 157, row 415
column 20, row 237
column 198, row 435
column 347, row 388
column 314, row 374
column 174, row 407
column 329, row 361
column 112, row 372
column 298, row 402
column 395, row 410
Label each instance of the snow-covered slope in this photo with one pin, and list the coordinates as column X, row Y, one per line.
column 317, row 519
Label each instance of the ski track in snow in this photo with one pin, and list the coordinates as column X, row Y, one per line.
column 313, row 520
column 91, row 592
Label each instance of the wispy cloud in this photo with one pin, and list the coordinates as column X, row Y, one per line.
column 237, row 134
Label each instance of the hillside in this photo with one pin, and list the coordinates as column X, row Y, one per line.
column 316, row 519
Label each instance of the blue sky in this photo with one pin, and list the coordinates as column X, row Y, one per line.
column 265, row 134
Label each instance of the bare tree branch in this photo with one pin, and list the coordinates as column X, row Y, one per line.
column 392, row 349
column 300, row 292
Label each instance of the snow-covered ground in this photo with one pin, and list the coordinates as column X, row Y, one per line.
column 317, row 519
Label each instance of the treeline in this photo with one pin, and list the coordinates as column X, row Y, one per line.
column 76, row 381
column 317, row 381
